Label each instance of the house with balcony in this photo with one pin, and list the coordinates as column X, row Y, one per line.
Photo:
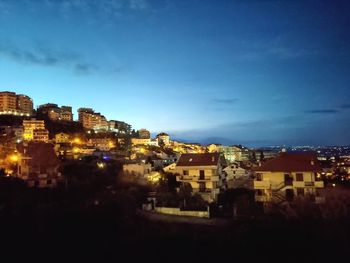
column 238, row 176
column 288, row 177
column 204, row 172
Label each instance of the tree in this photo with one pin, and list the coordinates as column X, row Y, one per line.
column 185, row 192
column 161, row 143
column 253, row 157
column 262, row 156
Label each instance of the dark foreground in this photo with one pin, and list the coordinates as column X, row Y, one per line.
column 104, row 233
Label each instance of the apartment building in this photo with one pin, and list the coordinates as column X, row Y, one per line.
column 11, row 103
column 119, row 127
column 287, row 177
column 56, row 113
column 34, row 130
column 92, row 120
column 204, row 172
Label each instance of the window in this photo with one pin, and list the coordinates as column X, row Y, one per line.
column 299, row 177
column 202, row 187
column 185, row 172
column 259, row 192
column 300, row 191
column 201, row 174
column 259, row 177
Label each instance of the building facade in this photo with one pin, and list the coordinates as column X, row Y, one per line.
column 56, row 113
column 92, row 120
column 288, row 177
column 38, row 165
column 119, row 127
column 204, row 172
column 11, row 103
column 139, row 141
column 34, row 130
column 163, row 138
column 144, row 134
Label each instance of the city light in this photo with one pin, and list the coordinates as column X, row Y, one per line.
column 14, row 158
column 101, row 165
column 77, row 141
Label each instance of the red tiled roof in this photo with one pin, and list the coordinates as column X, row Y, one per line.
column 291, row 162
column 198, row 159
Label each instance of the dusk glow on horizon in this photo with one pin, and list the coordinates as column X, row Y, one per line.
column 255, row 73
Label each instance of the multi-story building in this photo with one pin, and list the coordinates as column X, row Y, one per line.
column 140, row 141
column 61, row 138
column 137, row 169
column 119, row 127
column 56, row 113
column 34, row 130
column 288, row 176
column 11, row 103
column 92, row 120
column 66, row 113
column 163, row 138
column 232, row 153
column 102, row 144
column 204, row 172
column 144, row 134
column 38, row 165
column 25, row 105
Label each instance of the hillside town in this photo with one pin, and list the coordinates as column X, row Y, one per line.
column 39, row 146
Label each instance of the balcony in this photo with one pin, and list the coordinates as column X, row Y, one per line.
column 187, row 178
column 309, row 184
column 319, row 184
column 262, row 185
column 302, row 184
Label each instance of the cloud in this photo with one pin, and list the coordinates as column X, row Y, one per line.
column 47, row 57
column 138, row 4
column 322, row 111
column 225, row 101
column 4, row 8
column 345, row 106
column 105, row 6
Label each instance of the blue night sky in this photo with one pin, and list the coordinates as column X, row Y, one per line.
column 236, row 72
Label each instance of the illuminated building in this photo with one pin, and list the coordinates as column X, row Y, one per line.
column 163, row 137
column 119, row 127
column 24, row 105
column 144, row 134
column 140, row 141
column 92, row 120
column 231, row 153
column 287, row 177
column 11, row 103
column 204, row 172
column 62, row 138
column 102, row 144
column 56, row 113
column 34, row 130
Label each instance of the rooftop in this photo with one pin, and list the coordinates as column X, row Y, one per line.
column 291, row 162
column 198, row 159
